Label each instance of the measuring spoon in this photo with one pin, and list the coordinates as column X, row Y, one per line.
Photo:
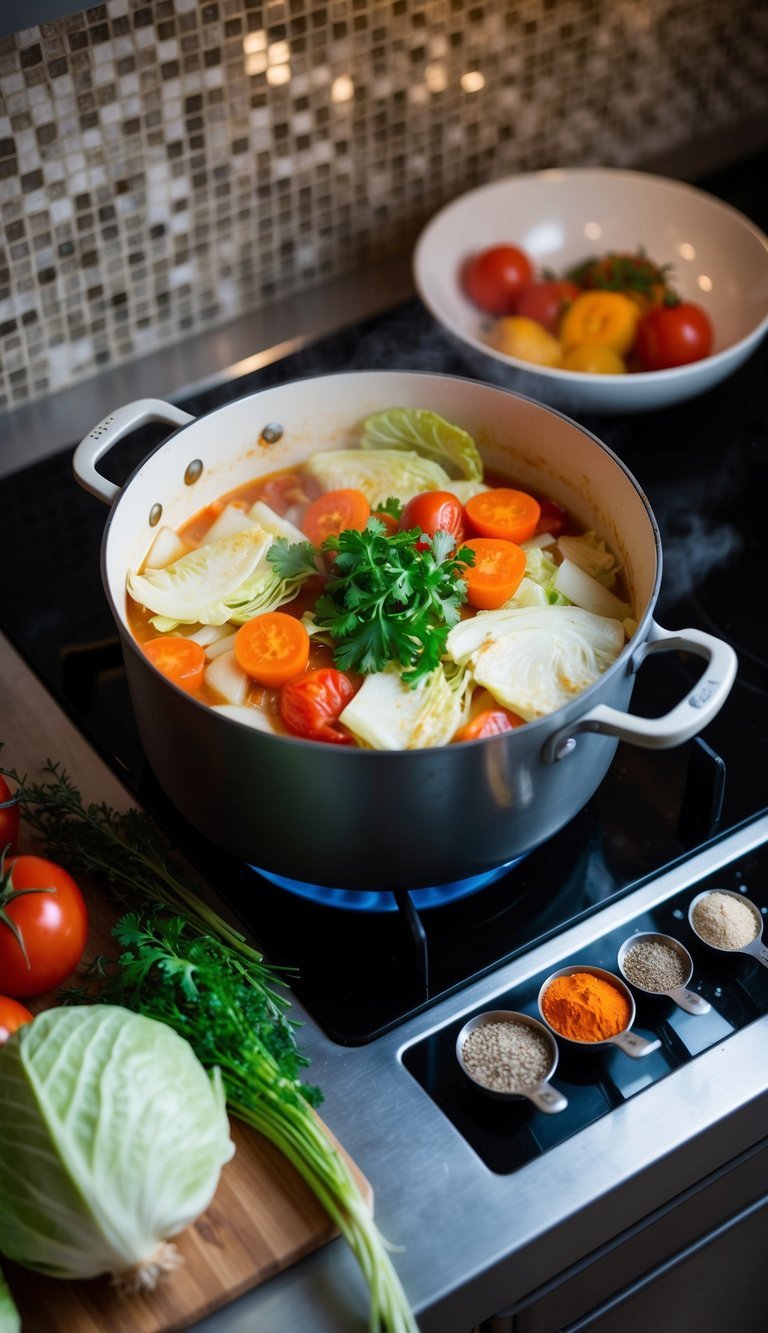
column 686, row 999
column 756, row 948
column 543, row 1096
column 631, row 1043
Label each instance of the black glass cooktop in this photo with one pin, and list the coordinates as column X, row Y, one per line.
column 507, row 1134
column 360, row 972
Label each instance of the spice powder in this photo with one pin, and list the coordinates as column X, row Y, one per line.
column 584, row 1007
column 724, row 922
column 654, row 966
column 507, row 1057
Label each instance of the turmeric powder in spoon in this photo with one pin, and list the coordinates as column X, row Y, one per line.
column 584, row 1007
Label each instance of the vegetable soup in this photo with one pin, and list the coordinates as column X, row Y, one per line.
column 390, row 596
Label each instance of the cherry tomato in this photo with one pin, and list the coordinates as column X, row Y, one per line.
column 673, row 335
column 12, row 1016
column 311, row 704
column 52, row 924
column 434, row 511
column 552, row 518
column 495, row 278
column 9, row 818
column 545, row 301
column 491, row 722
column 333, row 512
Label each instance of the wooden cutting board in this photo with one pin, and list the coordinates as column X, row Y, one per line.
column 263, row 1217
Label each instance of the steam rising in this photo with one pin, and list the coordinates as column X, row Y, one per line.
column 695, row 540
column 696, row 537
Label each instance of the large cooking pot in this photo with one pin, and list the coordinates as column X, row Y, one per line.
column 359, row 819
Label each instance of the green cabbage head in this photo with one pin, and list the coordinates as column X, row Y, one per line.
column 112, row 1138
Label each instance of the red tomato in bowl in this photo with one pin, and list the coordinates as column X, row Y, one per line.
column 434, row 511
column 544, row 301
column 496, row 278
column 9, row 818
column 12, row 1016
column 42, row 908
column 673, row 335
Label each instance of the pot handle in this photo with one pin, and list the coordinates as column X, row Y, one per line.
column 685, row 720
column 100, row 440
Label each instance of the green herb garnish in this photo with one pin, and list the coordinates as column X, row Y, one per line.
column 391, row 506
column 615, row 272
column 391, row 597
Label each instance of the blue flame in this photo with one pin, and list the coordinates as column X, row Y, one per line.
column 373, row 900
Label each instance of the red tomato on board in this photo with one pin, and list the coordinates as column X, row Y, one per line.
column 53, row 925
column 311, row 704
column 12, row 1016
column 434, row 511
column 673, row 335
column 495, row 278
column 9, row 818
column 544, row 301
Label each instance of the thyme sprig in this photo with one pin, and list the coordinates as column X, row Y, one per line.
column 128, row 852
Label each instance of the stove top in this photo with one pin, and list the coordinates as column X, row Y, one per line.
column 362, row 972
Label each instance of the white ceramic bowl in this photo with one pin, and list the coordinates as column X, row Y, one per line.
column 719, row 260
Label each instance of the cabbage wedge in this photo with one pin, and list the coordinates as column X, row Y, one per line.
column 378, row 473
column 389, row 714
column 591, row 554
column 416, row 428
column 194, row 589
column 534, row 660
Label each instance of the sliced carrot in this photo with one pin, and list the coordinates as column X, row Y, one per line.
column 273, row 648
column 495, row 576
column 503, row 512
column 491, row 722
column 334, row 512
column 181, row 660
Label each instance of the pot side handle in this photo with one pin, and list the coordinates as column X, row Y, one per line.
column 685, row 720
column 100, row 440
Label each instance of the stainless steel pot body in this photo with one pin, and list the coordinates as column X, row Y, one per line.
column 352, row 818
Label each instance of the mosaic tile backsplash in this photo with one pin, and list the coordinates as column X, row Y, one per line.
column 166, row 165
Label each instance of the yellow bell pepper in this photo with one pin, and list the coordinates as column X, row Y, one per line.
column 607, row 318
column 594, row 359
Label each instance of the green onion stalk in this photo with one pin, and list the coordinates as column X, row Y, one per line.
column 180, row 963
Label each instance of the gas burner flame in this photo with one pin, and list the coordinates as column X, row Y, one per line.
column 372, row 900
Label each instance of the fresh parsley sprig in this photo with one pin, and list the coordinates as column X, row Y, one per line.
column 391, row 597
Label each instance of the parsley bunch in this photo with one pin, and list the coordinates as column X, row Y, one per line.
column 392, row 597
